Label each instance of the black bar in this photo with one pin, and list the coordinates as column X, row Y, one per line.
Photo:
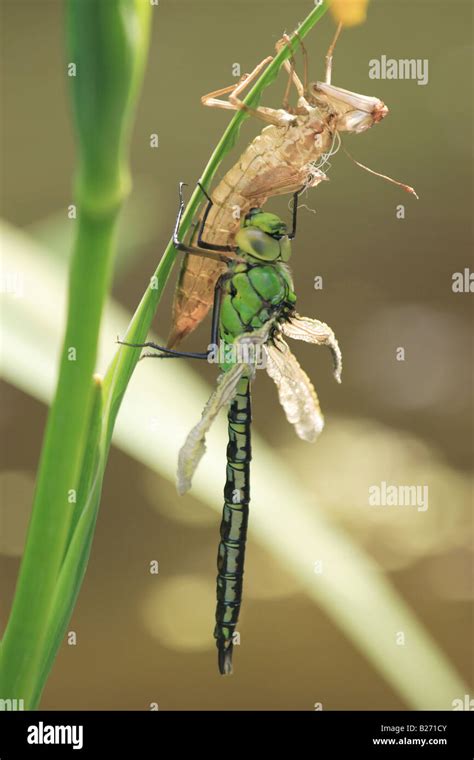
column 160, row 733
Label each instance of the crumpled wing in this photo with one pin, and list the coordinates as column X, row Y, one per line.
column 295, row 390
column 314, row 331
column 194, row 446
column 281, row 180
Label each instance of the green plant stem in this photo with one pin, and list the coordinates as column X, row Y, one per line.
column 108, row 43
column 70, row 576
column 61, row 457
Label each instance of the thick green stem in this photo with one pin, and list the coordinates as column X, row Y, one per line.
column 61, row 457
column 108, row 42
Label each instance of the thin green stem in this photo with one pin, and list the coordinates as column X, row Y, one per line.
column 108, row 43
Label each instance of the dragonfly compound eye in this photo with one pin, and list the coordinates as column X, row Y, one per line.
column 258, row 244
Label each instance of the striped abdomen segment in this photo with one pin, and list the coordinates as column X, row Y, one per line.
column 231, row 553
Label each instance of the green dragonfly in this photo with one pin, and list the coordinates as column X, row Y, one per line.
column 254, row 308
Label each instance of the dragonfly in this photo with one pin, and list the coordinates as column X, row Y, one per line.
column 254, row 311
column 289, row 154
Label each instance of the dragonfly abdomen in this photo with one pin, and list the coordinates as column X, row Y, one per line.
column 231, row 552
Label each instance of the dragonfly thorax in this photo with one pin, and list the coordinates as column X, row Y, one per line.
column 253, row 294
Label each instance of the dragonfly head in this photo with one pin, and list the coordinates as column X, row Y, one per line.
column 263, row 236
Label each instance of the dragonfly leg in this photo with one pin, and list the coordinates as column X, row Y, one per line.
column 296, row 195
column 301, row 87
column 171, row 353
column 290, row 66
column 165, row 353
column 211, row 99
column 305, row 66
column 234, row 103
column 221, row 253
column 216, row 309
column 278, row 118
column 292, row 234
column 330, row 54
column 201, row 242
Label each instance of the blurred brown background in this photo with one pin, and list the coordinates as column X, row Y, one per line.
column 387, row 283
